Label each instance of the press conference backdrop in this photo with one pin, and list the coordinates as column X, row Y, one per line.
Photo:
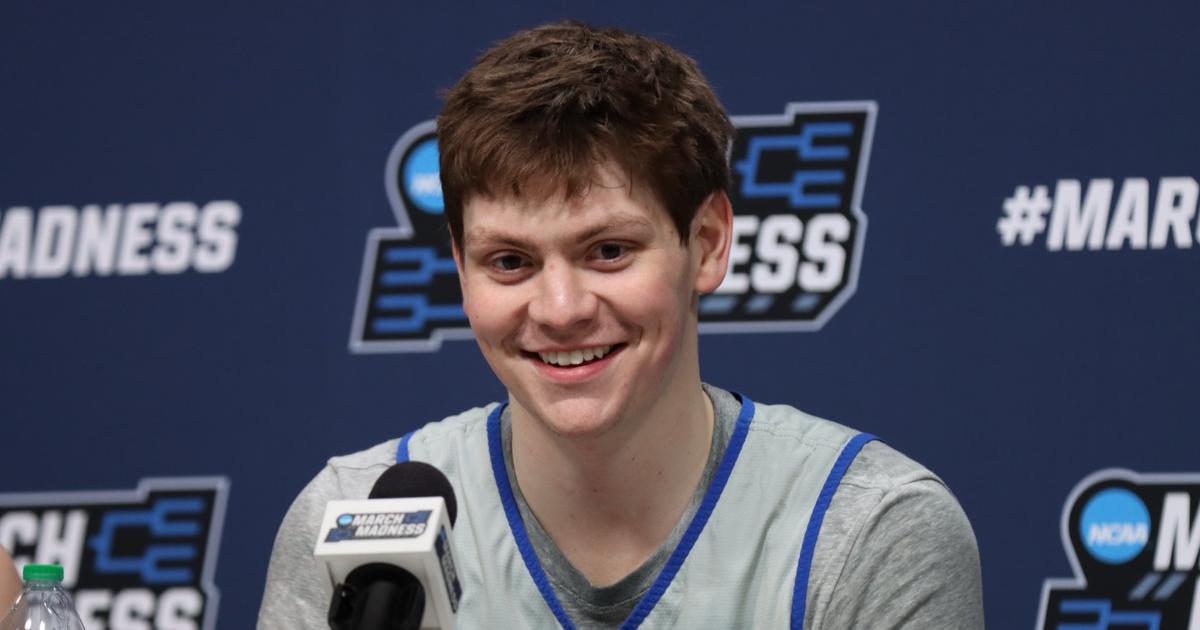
column 968, row 228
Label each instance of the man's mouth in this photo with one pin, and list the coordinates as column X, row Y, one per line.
column 575, row 357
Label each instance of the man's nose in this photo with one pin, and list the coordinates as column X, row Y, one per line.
column 562, row 297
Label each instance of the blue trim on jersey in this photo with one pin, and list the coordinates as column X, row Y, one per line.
column 402, row 449
column 496, row 448
column 800, row 590
column 734, row 448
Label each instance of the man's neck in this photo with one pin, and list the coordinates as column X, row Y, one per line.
column 609, row 501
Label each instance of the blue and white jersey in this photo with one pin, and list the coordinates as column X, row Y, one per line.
column 742, row 563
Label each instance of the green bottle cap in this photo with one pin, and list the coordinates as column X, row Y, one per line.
column 42, row 572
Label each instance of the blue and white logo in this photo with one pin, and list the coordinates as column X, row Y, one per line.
column 798, row 225
column 408, row 296
column 345, row 520
column 1132, row 541
column 422, row 181
column 153, row 549
column 1115, row 526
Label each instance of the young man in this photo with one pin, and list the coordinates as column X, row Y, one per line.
column 584, row 175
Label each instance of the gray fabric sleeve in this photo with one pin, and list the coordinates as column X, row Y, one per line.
column 894, row 553
column 296, row 598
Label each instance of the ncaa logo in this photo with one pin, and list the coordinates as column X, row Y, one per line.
column 408, row 296
column 798, row 233
column 1114, row 526
column 1133, row 541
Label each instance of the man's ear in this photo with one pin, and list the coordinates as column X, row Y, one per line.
column 712, row 228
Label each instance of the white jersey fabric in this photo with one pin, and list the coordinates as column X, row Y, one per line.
column 755, row 555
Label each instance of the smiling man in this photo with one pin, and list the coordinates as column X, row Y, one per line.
column 584, row 174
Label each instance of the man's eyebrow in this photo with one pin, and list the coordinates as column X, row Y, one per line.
column 615, row 222
column 488, row 237
column 484, row 236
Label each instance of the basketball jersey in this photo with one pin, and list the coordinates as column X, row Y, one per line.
column 742, row 563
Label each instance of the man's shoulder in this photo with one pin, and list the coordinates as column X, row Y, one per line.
column 885, row 496
column 789, row 425
column 786, row 421
column 354, row 473
column 442, row 442
column 385, row 453
column 877, row 467
column 893, row 535
column 382, row 454
column 883, row 468
column 470, row 421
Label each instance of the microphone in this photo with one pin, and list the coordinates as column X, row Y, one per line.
column 389, row 558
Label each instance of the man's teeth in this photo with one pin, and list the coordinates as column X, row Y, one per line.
column 574, row 357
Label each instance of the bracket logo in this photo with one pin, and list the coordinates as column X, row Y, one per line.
column 134, row 559
column 797, row 236
column 798, row 227
column 1132, row 540
column 408, row 296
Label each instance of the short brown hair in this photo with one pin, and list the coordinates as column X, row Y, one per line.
column 539, row 112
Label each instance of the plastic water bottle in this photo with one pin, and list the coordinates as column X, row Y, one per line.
column 43, row 604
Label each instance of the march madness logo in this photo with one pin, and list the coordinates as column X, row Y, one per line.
column 797, row 236
column 376, row 526
column 1132, row 540
column 133, row 559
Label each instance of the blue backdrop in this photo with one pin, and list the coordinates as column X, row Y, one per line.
column 1011, row 370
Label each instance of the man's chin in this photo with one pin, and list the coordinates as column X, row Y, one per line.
column 574, row 419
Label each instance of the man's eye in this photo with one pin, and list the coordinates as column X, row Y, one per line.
column 610, row 251
column 508, row 263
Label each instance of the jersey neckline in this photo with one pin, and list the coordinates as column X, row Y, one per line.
column 681, row 551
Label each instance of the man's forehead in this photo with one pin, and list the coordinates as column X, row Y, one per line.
column 569, row 183
column 608, row 183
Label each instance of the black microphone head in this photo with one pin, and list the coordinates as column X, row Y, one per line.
column 408, row 480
